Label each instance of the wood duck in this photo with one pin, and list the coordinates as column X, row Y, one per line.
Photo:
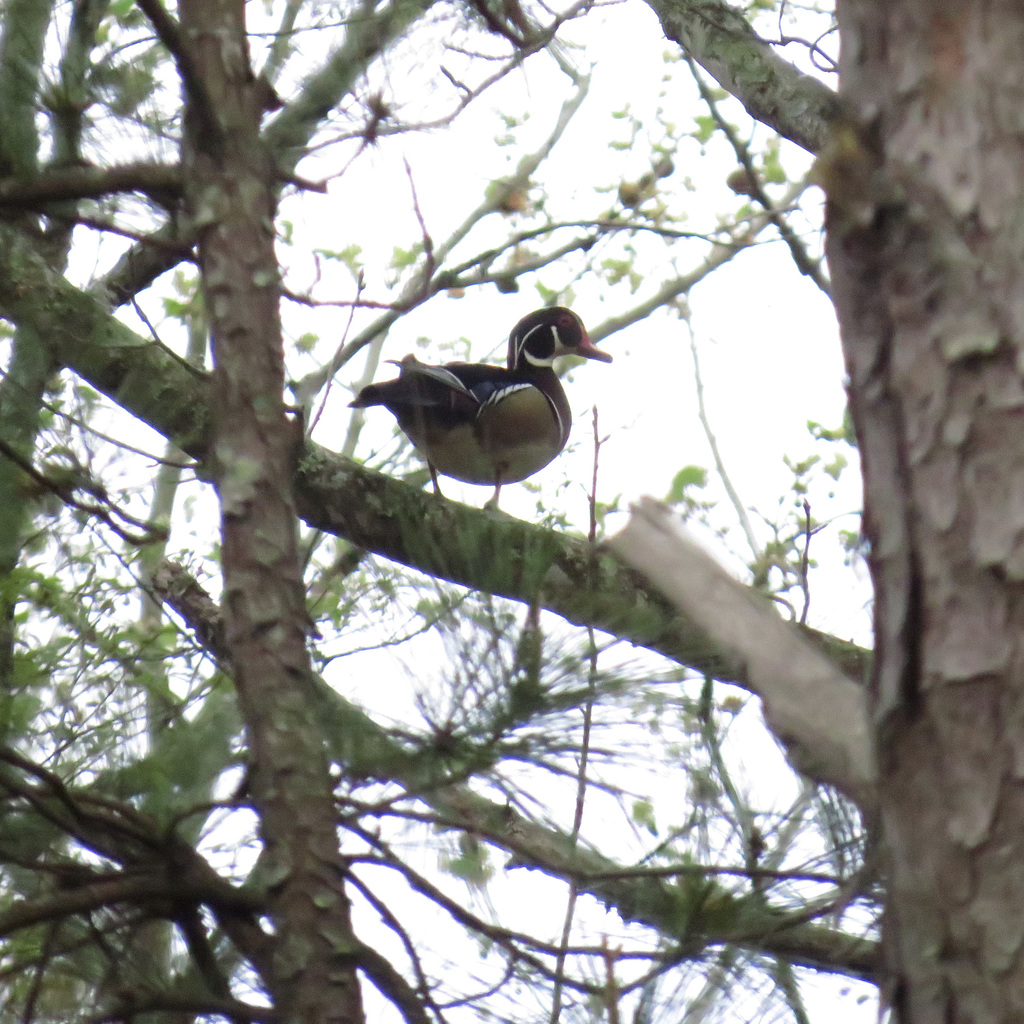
column 486, row 424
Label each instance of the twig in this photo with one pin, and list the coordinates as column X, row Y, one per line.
column 581, row 777
column 141, row 314
column 330, row 380
column 805, row 563
column 730, row 490
column 430, row 263
column 803, row 260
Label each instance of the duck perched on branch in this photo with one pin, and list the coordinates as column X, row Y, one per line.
column 485, row 424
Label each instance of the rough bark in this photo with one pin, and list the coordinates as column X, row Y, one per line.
column 926, row 231
column 230, row 193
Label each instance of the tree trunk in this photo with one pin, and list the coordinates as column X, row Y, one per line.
column 925, row 241
column 311, row 974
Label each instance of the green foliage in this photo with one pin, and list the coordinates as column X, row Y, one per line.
column 618, row 270
column 349, row 258
column 471, row 864
column 706, row 127
column 688, row 477
column 643, row 815
column 771, row 164
column 844, row 433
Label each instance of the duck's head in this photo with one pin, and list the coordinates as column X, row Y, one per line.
column 545, row 334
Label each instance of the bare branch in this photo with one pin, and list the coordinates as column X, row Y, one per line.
column 816, row 712
column 734, row 499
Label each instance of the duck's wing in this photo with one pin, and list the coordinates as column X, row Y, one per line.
column 421, row 386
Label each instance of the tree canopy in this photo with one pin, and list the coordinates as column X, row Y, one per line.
column 364, row 750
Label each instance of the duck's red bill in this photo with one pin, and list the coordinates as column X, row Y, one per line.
column 589, row 352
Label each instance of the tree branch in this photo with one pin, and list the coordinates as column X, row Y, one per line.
column 159, row 181
column 374, row 511
column 367, row 751
column 201, row 104
column 720, row 39
column 804, row 695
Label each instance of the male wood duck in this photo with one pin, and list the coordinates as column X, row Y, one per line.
column 486, row 424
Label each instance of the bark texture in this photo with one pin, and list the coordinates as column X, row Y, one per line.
column 230, row 189
column 926, row 235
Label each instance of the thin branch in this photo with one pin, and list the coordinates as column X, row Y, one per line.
column 168, row 31
column 734, row 499
column 803, row 260
column 344, row 335
column 805, row 563
column 581, row 775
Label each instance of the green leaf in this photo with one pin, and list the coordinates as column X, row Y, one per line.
column 471, row 864
column 120, row 9
column 771, row 167
column 836, row 466
column 643, row 815
column 705, row 128
column 688, row 476
column 402, row 258
column 349, row 257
